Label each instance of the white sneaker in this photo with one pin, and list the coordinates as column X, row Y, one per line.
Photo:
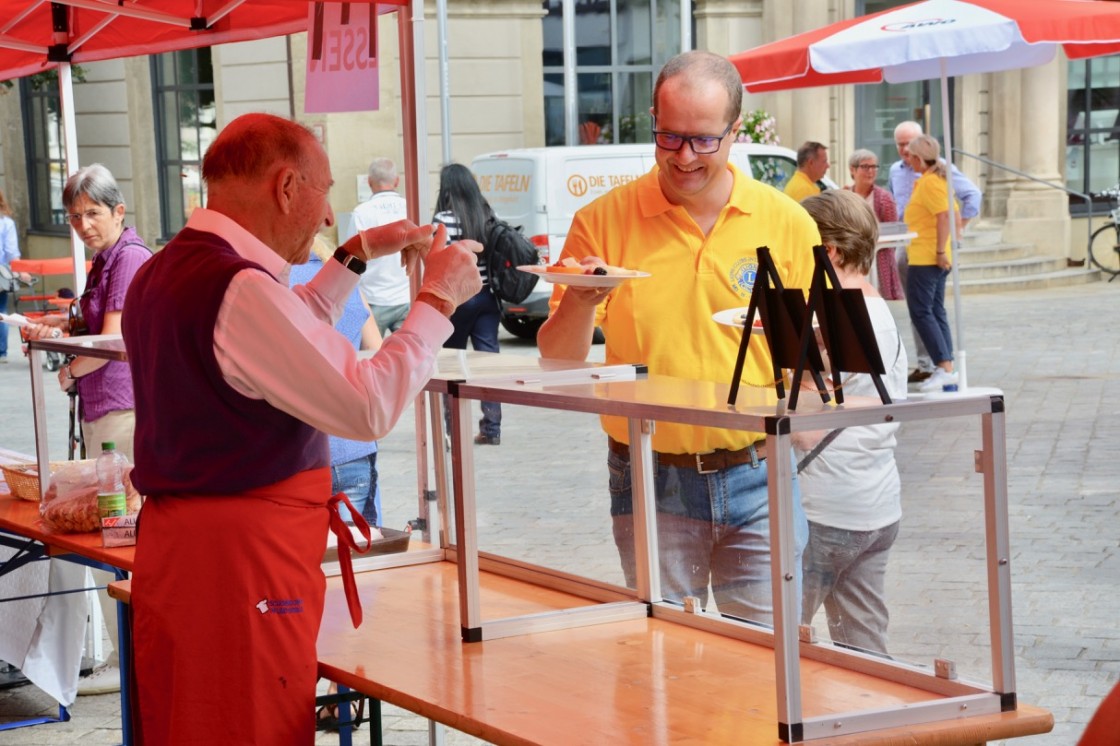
column 938, row 381
column 102, row 680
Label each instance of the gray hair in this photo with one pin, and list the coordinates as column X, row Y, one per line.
column 382, row 172
column 860, row 156
column 95, row 182
column 907, row 126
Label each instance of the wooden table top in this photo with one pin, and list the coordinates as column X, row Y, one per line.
column 61, row 265
column 645, row 681
column 22, row 517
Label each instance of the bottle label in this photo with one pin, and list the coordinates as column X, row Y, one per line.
column 111, row 504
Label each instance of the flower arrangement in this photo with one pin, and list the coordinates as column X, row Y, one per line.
column 760, row 127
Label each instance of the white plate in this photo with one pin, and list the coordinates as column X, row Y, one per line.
column 737, row 317
column 581, row 281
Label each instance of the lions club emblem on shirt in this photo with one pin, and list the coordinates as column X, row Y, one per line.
column 742, row 276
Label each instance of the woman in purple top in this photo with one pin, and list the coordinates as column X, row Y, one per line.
column 95, row 208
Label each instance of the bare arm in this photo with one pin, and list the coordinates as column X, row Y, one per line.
column 942, row 237
column 566, row 334
column 371, row 335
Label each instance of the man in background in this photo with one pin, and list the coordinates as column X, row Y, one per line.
column 384, row 284
column 812, row 165
column 902, row 180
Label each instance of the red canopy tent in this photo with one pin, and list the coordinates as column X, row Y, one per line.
column 38, row 35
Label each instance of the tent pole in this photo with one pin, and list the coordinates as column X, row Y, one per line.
column 946, row 123
column 444, row 81
column 70, row 136
column 410, row 35
column 571, row 83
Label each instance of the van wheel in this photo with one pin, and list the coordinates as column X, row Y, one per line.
column 522, row 327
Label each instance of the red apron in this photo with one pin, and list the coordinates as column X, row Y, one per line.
column 227, row 597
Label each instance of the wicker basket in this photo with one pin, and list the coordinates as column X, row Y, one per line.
column 23, row 479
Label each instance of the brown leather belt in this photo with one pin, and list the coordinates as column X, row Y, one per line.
column 703, row 463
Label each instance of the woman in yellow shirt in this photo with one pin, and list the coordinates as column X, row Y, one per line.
column 930, row 257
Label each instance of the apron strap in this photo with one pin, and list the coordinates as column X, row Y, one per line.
column 346, row 544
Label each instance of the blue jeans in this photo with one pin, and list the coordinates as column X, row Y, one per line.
column 711, row 528
column 477, row 320
column 389, row 318
column 925, row 299
column 3, row 327
column 358, row 479
column 903, row 269
column 846, row 571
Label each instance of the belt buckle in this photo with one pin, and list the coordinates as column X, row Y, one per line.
column 700, row 463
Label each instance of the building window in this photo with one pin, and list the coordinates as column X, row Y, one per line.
column 183, row 86
column 1093, row 129
column 619, row 46
column 46, row 153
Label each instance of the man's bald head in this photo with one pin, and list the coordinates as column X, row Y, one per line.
column 252, row 145
column 270, row 176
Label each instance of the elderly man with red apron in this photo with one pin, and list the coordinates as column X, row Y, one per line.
column 228, row 590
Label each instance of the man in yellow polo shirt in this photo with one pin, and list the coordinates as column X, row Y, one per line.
column 812, row 165
column 694, row 223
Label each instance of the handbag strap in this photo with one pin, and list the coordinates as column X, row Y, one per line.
column 817, row 451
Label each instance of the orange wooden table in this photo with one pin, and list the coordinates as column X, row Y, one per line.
column 646, row 681
column 62, row 265
column 21, row 517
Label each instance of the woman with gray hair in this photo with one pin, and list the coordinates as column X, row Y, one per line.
column 95, row 209
column 930, row 258
column 863, row 165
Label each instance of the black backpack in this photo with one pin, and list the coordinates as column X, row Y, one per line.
column 507, row 247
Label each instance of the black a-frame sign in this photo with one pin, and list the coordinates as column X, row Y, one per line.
column 787, row 321
column 846, row 330
column 784, row 320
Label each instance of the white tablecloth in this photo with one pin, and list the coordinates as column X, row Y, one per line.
column 44, row 636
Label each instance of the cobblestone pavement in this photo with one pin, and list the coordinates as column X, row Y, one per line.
column 1054, row 353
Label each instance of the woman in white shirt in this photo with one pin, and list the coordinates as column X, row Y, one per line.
column 850, row 487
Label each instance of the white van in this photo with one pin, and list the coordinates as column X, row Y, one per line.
column 540, row 189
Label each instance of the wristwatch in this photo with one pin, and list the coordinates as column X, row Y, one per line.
column 351, row 262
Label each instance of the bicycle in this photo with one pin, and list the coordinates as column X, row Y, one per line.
column 1104, row 243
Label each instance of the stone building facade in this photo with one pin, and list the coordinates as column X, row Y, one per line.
column 498, row 53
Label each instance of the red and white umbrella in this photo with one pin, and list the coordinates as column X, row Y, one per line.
column 935, row 39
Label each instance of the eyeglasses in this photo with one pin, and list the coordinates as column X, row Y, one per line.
column 91, row 216
column 700, row 144
column 868, row 166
